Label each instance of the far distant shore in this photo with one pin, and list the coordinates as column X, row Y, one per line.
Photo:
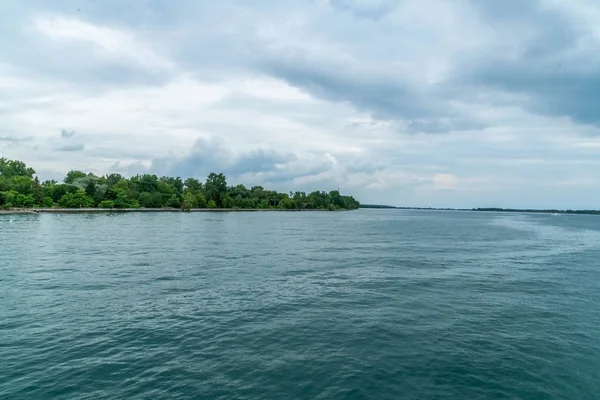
column 146, row 210
column 488, row 209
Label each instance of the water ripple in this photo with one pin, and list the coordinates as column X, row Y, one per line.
column 362, row 305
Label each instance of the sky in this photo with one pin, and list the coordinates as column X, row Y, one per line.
column 433, row 103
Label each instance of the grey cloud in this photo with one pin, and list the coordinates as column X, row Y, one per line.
column 551, row 90
column 66, row 144
column 204, row 156
column 88, row 73
column 64, row 134
column 443, row 125
column 384, row 95
column 260, row 160
column 354, row 165
column 507, row 9
column 254, row 167
column 15, row 139
column 70, row 147
column 295, row 171
column 371, row 9
column 558, row 71
column 131, row 169
column 88, row 66
column 210, row 156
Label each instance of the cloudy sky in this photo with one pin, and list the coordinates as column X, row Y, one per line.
column 456, row 103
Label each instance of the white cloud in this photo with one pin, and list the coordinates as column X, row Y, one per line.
column 105, row 40
column 445, row 181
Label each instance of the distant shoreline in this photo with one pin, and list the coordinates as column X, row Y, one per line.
column 487, row 209
column 13, row 211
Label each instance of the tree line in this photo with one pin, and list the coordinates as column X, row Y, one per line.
column 21, row 188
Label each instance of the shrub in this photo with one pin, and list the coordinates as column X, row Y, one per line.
column 47, row 202
column 107, row 204
column 76, row 200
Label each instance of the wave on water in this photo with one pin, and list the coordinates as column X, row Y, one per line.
column 548, row 236
column 384, row 304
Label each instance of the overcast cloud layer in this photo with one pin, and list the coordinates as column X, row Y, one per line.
column 457, row 103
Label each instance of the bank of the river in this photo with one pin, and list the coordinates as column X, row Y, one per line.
column 124, row 210
column 15, row 211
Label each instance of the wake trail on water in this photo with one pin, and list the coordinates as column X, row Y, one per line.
column 548, row 239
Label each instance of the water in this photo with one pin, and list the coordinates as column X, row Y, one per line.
column 369, row 304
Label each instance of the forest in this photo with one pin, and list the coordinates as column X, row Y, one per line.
column 21, row 188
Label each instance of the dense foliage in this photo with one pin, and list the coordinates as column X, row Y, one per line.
column 20, row 188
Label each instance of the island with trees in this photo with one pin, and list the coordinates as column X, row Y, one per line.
column 20, row 188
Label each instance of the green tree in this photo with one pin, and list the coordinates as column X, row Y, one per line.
column 121, row 186
column 216, row 188
column 107, row 204
column 175, row 184
column 38, row 192
column 287, row 204
column 147, row 183
column 173, row 202
column 146, row 200
column 200, row 200
column 59, row 190
column 158, row 200
column 78, row 199
column 73, row 175
column 4, row 184
column 19, row 187
column 124, row 201
column 227, row 202
column 7, row 198
column 12, row 168
column 164, row 188
column 189, row 201
column 22, row 184
column 90, row 188
column 112, row 179
column 239, row 191
column 24, row 201
column 194, row 185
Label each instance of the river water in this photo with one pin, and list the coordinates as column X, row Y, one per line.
column 369, row 304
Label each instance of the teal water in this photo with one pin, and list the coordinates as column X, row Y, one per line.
column 370, row 304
